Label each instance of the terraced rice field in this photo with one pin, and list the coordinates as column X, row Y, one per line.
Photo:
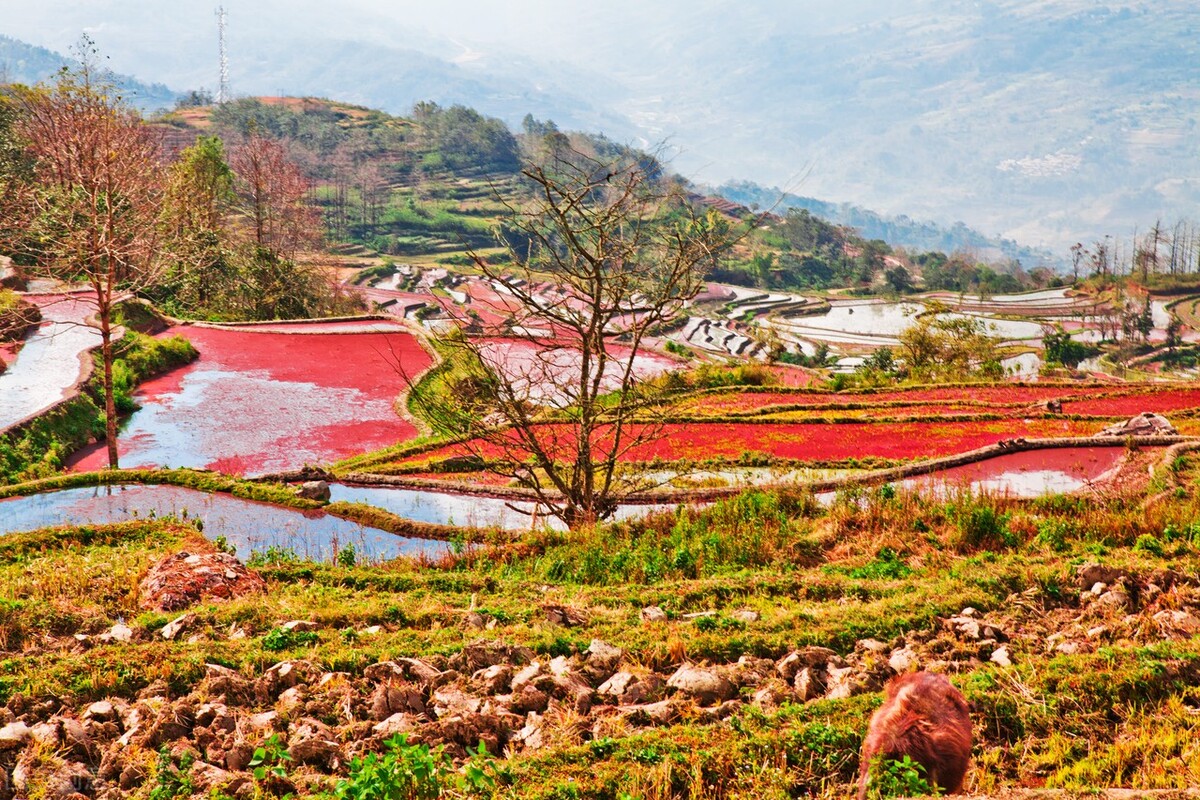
column 818, row 427
column 805, row 441
column 265, row 400
column 51, row 361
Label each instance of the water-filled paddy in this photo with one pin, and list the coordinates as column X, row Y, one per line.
column 873, row 322
column 51, row 360
column 1031, row 473
column 246, row 524
column 446, row 508
column 265, row 401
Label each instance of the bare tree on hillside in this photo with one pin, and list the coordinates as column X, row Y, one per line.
column 601, row 255
column 274, row 196
column 88, row 208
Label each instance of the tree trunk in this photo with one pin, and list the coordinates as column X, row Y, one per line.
column 110, row 403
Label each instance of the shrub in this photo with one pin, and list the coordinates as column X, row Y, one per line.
column 172, row 781
column 982, row 526
column 415, row 772
column 1053, row 533
column 272, row 556
column 282, row 639
column 269, row 761
column 887, row 566
column 903, row 777
column 1149, row 544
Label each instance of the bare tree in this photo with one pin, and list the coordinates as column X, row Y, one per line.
column 1077, row 254
column 274, row 196
column 89, row 210
column 602, row 254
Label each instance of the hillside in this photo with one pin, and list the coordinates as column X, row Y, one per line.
column 618, row 490
column 731, row 652
column 1043, row 123
column 1047, row 124
column 898, row 231
column 427, row 188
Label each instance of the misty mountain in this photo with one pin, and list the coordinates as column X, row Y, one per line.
column 21, row 62
column 899, row 230
column 1041, row 122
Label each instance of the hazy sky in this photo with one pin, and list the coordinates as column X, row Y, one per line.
column 1044, row 120
column 175, row 35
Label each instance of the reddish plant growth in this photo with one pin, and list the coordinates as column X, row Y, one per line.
column 825, row 442
column 1115, row 401
column 261, row 402
column 1160, row 400
column 1006, row 395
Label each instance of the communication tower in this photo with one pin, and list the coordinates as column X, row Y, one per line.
column 223, row 84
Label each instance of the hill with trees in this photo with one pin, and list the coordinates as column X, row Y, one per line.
column 899, row 230
column 427, row 187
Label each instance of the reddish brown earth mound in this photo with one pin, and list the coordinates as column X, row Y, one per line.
column 183, row 579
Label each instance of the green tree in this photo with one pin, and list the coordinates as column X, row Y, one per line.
column 941, row 347
column 199, row 198
column 898, row 280
column 1174, row 334
column 1060, row 348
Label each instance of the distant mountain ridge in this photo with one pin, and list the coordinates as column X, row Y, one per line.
column 1048, row 123
column 503, row 94
column 21, row 62
column 899, row 230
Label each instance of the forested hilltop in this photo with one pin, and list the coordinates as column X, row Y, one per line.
column 426, row 187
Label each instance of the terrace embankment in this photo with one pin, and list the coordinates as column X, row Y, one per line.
column 931, row 467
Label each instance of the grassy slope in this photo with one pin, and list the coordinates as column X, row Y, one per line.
column 429, row 215
column 1120, row 712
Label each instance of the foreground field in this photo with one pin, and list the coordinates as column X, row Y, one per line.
column 733, row 652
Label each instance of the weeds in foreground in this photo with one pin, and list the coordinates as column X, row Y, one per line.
column 417, row 772
column 172, row 781
column 902, row 777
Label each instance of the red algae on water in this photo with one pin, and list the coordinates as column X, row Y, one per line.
column 806, row 441
column 266, row 401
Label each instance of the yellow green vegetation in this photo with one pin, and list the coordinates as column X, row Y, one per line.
column 1099, row 692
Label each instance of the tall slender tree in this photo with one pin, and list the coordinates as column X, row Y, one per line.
column 198, row 200
column 273, row 194
column 89, row 209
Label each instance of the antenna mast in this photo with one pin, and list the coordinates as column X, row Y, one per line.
column 223, row 85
